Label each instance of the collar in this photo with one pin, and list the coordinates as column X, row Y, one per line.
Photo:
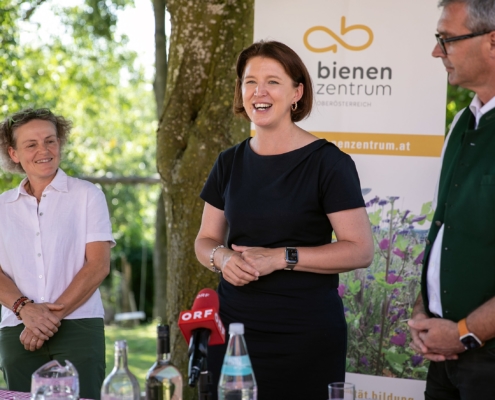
column 59, row 183
column 479, row 109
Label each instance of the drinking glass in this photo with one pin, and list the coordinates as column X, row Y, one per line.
column 341, row 391
column 52, row 381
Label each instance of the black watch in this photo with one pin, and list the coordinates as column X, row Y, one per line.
column 291, row 258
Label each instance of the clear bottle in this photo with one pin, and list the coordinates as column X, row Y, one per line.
column 237, row 380
column 163, row 380
column 120, row 384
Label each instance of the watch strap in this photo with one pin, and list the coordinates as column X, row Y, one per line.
column 462, row 327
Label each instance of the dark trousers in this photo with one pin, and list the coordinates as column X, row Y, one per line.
column 80, row 341
column 471, row 377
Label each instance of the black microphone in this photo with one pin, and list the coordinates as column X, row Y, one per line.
column 201, row 326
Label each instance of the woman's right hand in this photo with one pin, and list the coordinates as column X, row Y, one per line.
column 235, row 270
column 40, row 319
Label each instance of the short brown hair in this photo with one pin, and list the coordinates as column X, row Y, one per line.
column 293, row 66
column 11, row 123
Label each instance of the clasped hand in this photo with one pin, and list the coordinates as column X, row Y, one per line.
column 41, row 321
column 437, row 339
column 247, row 264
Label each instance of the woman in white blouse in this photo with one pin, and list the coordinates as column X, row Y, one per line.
column 55, row 240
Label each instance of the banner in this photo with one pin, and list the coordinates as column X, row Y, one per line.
column 380, row 97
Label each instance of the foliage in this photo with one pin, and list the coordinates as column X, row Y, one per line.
column 379, row 300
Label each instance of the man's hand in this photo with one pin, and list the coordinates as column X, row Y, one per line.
column 436, row 338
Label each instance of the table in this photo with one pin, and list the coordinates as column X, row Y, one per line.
column 10, row 395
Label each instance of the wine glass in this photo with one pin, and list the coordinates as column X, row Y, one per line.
column 341, row 391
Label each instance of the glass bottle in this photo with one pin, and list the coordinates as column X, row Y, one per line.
column 163, row 380
column 120, row 384
column 237, row 381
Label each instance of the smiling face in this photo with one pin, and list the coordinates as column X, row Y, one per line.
column 268, row 92
column 467, row 60
column 37, row 149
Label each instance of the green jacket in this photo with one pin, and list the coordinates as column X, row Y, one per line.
column 466, row 206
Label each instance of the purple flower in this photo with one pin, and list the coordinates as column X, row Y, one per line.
column 398, row 253
column 376, row 329
column 405, row 216
column 399, row 339
column 384, row 243
column 418, row 218
column 363, row 360
column 416, row 360
column 394, row 318
column 373, row 200
column 370, row 277
column 392, row 278
column 382, row 202
column 419, row 258
column 341, row 289
column 393, row 198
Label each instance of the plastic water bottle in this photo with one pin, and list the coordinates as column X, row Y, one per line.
column 237, row 380
column 120, row 384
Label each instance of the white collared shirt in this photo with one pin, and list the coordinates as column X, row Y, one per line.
column 43, row 246
column 433, row 273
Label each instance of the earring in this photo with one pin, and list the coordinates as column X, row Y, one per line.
column 293, row 107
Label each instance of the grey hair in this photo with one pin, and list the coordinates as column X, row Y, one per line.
column 480, row 13
column 11, row 123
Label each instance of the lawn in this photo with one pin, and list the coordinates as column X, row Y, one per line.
column 141, row 342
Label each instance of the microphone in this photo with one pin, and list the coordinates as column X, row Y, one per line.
column 200, row 326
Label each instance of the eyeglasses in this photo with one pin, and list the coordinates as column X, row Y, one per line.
column 441, row 41
column 40, row 112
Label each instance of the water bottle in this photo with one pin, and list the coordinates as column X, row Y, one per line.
column 237, row 380
column 163, row 380
column 120, row 384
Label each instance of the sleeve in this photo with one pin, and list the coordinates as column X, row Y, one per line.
column 340, row 187
column 98, row 225
column 215, row 187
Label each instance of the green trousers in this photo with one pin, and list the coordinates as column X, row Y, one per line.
column 80, row 341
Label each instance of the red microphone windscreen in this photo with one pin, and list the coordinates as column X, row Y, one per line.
column 206, row 298
column 204, row 314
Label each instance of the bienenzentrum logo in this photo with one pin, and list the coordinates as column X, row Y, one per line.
column 343, row 30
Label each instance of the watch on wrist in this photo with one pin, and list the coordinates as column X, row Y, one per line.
column 291, row 258
column 468, row 339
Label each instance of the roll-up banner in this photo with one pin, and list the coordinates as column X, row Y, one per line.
column 380, row 97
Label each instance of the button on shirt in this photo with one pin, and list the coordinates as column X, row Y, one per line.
column 43, row 246
column 433, row 272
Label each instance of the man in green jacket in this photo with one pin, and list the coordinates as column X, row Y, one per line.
column 453, row 321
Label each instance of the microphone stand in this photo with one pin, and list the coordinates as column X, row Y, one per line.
column 205, row 384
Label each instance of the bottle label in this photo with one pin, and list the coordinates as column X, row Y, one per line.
column 237, row 365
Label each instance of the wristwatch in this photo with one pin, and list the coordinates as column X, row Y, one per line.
column 291, row 258
column 468, row 339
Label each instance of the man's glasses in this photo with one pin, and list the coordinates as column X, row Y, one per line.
column 441, row 41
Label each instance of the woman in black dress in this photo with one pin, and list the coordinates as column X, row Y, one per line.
column 278, row 197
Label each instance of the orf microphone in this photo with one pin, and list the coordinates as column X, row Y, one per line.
column 200, row 326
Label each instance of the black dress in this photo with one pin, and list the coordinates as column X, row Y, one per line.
column 294, row 322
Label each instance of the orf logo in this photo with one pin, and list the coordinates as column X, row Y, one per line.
column 343, row 30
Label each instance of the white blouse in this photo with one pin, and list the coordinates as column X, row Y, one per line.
column 43, row 247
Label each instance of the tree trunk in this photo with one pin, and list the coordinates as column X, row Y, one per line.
column 160, row 263
column 160, row 248
column 197, row 123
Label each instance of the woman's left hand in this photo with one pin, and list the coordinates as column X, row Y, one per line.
column 29, row 341
column 263, row 259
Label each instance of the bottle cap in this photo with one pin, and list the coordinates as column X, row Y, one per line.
column 236, row 328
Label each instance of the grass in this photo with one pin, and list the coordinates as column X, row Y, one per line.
column 141, row 343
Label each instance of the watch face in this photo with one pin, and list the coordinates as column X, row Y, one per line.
column 470, row 342
column 291, row 256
